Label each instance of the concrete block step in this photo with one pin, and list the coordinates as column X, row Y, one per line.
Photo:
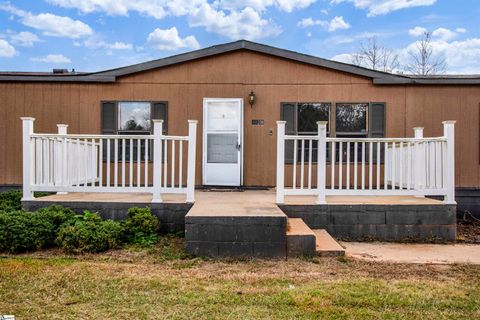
column 300, row 239
column 326, row 246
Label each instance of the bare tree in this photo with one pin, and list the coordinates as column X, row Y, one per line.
column 373, row 55
column 422, row 59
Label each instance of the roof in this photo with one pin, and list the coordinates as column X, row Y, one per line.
column 111, row 75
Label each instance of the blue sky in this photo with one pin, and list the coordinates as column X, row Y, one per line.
column 92, row 35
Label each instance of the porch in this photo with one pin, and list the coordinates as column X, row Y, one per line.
column 370, row 189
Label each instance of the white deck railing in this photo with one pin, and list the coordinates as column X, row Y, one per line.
column 366, row 166
column 63, row 162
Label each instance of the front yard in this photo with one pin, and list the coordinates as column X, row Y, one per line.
column 163, row 283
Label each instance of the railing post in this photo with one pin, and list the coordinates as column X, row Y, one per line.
column 157, row 160
column 280, row 161
column 321, row 161
column 419, row 163
column 62, row 157
column 449, row 134
column 28, row 167
column 192, row 147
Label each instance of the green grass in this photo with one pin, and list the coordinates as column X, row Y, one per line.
column 165, row 283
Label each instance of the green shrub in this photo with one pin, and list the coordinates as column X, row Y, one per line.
column 10, row 200
column 22, row 231
column 89, row 233
column 141, row 227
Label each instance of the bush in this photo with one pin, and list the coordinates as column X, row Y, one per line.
column 141, row 227
column 10, row 200
column 89, row 233
column 22, row 231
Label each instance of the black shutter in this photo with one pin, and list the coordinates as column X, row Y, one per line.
column 376, row 127
column 377, row 120
column 160, row 111
column 287, row 113
column 109, row 118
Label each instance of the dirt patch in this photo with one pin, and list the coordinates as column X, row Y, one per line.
column 468, row 228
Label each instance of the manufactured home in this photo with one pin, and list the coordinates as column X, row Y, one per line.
column 260, row 117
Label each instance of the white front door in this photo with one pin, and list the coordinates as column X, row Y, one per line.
column 222, row 141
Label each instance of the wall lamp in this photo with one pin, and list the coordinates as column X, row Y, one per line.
column 252, row 98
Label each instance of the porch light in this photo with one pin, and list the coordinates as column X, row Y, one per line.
column 251, row 98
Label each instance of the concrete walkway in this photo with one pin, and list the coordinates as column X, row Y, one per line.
column 413, row 253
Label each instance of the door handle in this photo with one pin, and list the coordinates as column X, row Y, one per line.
column 238, row 146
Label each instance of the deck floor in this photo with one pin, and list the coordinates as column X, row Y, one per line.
column 248, row 198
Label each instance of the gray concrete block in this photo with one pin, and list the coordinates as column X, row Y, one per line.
column 269, row 250
column 235, row 249
column 301, row 245
column 202, row 248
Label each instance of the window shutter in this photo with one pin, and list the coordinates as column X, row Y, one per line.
column 109, row 118
column 160, row 111
column 287, row 113
column 377, row 120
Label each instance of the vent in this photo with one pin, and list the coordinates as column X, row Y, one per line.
column 60, row 71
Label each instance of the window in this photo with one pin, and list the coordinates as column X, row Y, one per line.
column 132, row 118
column 351, row 119
column 359, row 120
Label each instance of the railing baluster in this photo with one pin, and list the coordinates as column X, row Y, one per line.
column 340, row 169
column 378, row 165
column 370, row 165
column 85, row 161
column 172, row 166
column 165, row 162
column 302, row 163
column 295, row 163
column 438, row 165
column 332, row 165
column 409, row 166
column 123, row 162
column 100, row 162
column 115, row 164
column 78, row 161
column 310, row 163
column 93, row 163
column 348, row 166
column 147, row 142
column 48, row 161
column 385, row 166
column 355, row 165
column 393, row 166
column 180, row 164
column 130, row 176
column 363, row 165
column 401, row 163
column 139, row 161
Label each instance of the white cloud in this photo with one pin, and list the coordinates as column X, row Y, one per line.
column 417, row 31
column 338, row 23
column 332, row 25
column 444, row 34
column 382, row 7
column 6, row 49
column 439, row 33
column 98, row 43
column 234, row 19
column 169, row 40
column 52, row 58
column 244, row 24
column 50, row 24
column 24, row 38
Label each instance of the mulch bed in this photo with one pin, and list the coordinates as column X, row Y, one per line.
column 468, row 228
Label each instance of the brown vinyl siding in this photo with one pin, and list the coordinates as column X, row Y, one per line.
column 234, row 75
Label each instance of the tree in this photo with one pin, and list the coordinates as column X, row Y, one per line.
column 373, row 55
column 422, row 59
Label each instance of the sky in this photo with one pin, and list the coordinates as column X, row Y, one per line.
column 94, row 35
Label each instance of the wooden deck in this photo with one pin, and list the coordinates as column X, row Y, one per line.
column 244, row 202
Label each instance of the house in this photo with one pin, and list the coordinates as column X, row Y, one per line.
column 238, row 91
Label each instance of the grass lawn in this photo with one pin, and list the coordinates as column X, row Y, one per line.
column 164, row 283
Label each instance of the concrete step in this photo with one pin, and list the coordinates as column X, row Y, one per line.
column 300, row 239
column 326, row 246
